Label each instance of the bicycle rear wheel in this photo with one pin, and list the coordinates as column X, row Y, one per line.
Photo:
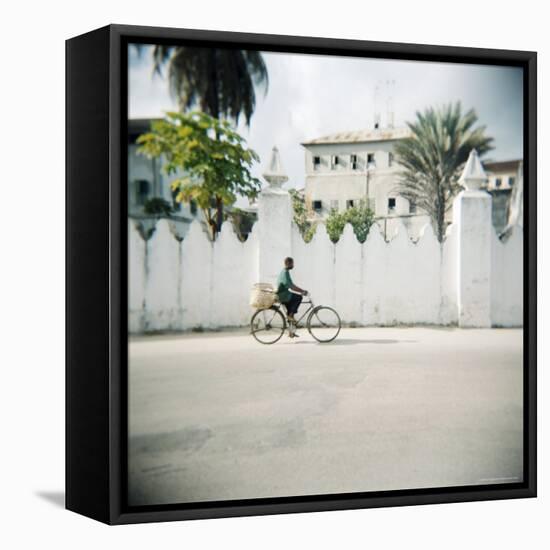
column 324, row 324
column 267, row 325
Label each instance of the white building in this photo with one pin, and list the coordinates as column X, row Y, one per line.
column 147, row 180
column 503, row 178
column 344, row 168
column 502, row 175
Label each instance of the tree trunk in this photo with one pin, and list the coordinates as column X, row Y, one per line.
column 210, row 223
column 440, row 206
column 219, row 214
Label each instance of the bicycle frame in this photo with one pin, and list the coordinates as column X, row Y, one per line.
column 307, row 312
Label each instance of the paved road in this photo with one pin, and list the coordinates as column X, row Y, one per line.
column 217, row 416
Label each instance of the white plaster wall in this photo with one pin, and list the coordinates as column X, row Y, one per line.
column 231, row 279
column 473, row 214
column 321, row 280
column 507, row 279
column 349, row 277
column 374, row 268
column 196, row 278
column 194, row 283
column 449, row 281
column 274, row 232
column 136, row 278
column 162, row 280
column 424, row 269
column 407, row 275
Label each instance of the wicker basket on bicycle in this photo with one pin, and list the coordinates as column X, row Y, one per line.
column 262, row 296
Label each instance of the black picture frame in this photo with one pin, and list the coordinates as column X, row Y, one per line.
column 96, row 267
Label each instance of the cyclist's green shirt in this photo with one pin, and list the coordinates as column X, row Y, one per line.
column 284, row 282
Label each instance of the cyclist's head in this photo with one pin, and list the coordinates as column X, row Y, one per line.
column 289, row 263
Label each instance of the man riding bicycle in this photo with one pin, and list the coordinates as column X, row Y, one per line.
column 289, row 294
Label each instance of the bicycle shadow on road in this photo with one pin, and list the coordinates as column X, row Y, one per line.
column 351, row 341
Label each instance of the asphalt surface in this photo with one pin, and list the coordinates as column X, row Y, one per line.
column 217, row 416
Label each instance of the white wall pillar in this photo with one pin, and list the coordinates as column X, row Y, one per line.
column 274, row 222
column 274, row 233
column 472, row 211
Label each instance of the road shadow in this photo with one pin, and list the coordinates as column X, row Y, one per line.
column 351, row 341
column 57, row 498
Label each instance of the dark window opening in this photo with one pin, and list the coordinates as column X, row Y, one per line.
column 370, row 160
column 142, row 191
column 349, row 204
column 334, row 161
column 317, row 205
column 391, row 205
column 511, row 181
column 498, row 182
column 353, row 161
column 316, row 162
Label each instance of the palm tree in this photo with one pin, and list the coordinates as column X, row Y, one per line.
column 433, row 157
column 221, row 82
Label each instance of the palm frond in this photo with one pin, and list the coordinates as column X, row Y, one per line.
column 434, row 155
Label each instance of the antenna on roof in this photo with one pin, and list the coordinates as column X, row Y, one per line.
column 377, row 106
column 390, row 86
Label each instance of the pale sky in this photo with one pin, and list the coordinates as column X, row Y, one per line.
column 312, row 95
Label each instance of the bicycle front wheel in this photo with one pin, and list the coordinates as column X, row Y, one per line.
column 324, row 324
column 267, row 325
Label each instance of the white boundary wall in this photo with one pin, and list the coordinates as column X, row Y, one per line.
column 193, row 283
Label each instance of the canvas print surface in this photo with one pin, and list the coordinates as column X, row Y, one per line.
column 325, row 269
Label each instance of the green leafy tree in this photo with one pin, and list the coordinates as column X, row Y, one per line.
column 305, row 226
column 361, row 218
column 157, row 206
column 221, row 82
column 433, row 157
column 212, row 157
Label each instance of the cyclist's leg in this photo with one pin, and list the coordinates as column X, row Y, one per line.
column 294, row 304
column 292, row 308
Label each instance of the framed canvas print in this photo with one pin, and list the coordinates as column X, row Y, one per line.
column 301, row 274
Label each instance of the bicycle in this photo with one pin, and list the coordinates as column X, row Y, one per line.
column 267, row 325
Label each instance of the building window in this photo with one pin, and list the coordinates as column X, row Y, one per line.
column 511, row 181
column 316, row 163
column 371, row 163
column 391, row 205
column 349, row 204
column 353, row 161
column 390, row 159
column 412, row 207
column 317, row 206
column 143, row 188
column 333, row 161
column 498, row 182
column 334, row 205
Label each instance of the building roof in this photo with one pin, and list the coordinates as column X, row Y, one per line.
column 360, row 136
column 502, row 166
